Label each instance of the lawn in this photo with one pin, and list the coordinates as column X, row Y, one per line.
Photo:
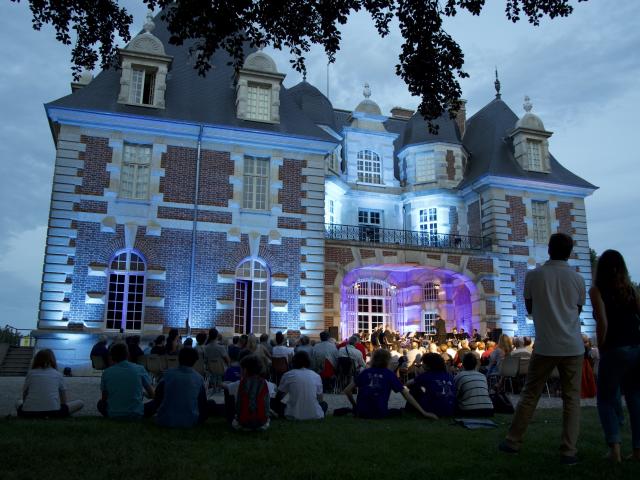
column 338, row 448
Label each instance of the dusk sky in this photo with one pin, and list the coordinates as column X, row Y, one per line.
column 581, row 73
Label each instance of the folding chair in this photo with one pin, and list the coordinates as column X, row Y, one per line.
column 172, row 361
column 98, row 362
column 345, row 370
column 155, row 366
column 279, row 366
column 509, row 369
column 216, row 369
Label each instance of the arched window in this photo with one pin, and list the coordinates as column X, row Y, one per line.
column 369, row 167
column 125, row 298
column 251, row 305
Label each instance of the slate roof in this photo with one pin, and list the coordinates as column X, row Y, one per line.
column 190, row 97
column 487, row 140
column 313, row 103
column 417, row 131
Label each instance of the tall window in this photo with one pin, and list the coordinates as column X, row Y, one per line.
column 332, row 213
column 373, row 298
column 370, row 222
column 251, row 312
column 425, row 168
column 431, row 290
column 259, row 102
column 134, row 176
column 369, row 167
column 540, row 211
column 429, row 325
column 534, row 155
column 143, row 83
column 429, row 223
column 125, row 299
column 256, row 182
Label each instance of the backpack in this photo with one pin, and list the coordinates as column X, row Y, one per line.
column 252, row 402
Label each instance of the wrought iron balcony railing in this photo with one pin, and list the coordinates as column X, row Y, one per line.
column 394, row 237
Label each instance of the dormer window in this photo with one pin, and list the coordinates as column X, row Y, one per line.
column 258, row 102
column 144, row 70
column 143, row 81
column 369, row 167
column 534, row 155
column 258, row 89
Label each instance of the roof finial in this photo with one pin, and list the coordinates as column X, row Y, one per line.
column 149, row 25
column 497, row 84
column 527, row 104
column 304, row 76
column 367, row 91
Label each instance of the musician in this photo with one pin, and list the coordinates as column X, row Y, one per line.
column 463, row 335
column 375, row 338
column 475, row 336
column 441, row 330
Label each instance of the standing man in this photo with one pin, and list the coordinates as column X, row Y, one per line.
column 554, row 294
column 441, row 330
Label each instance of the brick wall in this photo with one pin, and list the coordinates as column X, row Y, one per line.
column 178, row 183
column 473, row 219
column 290, row 195
column 451, row 165
column 480, row 265
column 215, row 170
column 171, row 252
column 517, row 211
column 95, row 177
column 91, row 206
column 343, row 256
column 564, row 217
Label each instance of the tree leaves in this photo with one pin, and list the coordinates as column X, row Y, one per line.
column 430, row 62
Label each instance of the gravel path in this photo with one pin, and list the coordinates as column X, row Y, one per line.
column 87, row 389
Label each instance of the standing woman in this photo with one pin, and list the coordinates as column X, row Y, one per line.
column 44, row 393
column 616, row 307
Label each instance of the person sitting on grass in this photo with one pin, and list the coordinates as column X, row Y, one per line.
column 181, row 396
column 252, row 398
column 304, row 387
column 433, row 389
column 374, row 389
column 122, row 387
column 100, row 349
column 233, row 371
column 472, row 391
column 44, row 393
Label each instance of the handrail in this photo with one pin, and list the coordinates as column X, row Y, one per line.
column 390, row 236
column 11, row 335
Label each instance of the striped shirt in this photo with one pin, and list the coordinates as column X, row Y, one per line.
column 472, row 391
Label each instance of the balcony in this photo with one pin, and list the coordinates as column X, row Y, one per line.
column 389, row 237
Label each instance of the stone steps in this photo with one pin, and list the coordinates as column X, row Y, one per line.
column 17, row 362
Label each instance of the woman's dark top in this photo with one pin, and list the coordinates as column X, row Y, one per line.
column 157, row 350
column 623, row 323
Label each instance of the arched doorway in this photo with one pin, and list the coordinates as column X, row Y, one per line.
column 406, row 298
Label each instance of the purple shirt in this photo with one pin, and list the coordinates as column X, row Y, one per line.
column 374, row 388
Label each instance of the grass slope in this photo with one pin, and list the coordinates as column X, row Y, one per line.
column 336, row 448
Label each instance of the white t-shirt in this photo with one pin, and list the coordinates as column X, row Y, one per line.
column 556, row 290
column 43, row 387
column 280, row 351
column 303, row 387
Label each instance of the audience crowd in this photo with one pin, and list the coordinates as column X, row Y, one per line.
column 463, row 375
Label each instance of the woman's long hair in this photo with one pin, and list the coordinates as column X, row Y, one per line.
column 44, row 359
column 505, row 344
column 612, row 279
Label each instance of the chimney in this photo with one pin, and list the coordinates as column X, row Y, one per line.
column 461, row 116
column 403, row 113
